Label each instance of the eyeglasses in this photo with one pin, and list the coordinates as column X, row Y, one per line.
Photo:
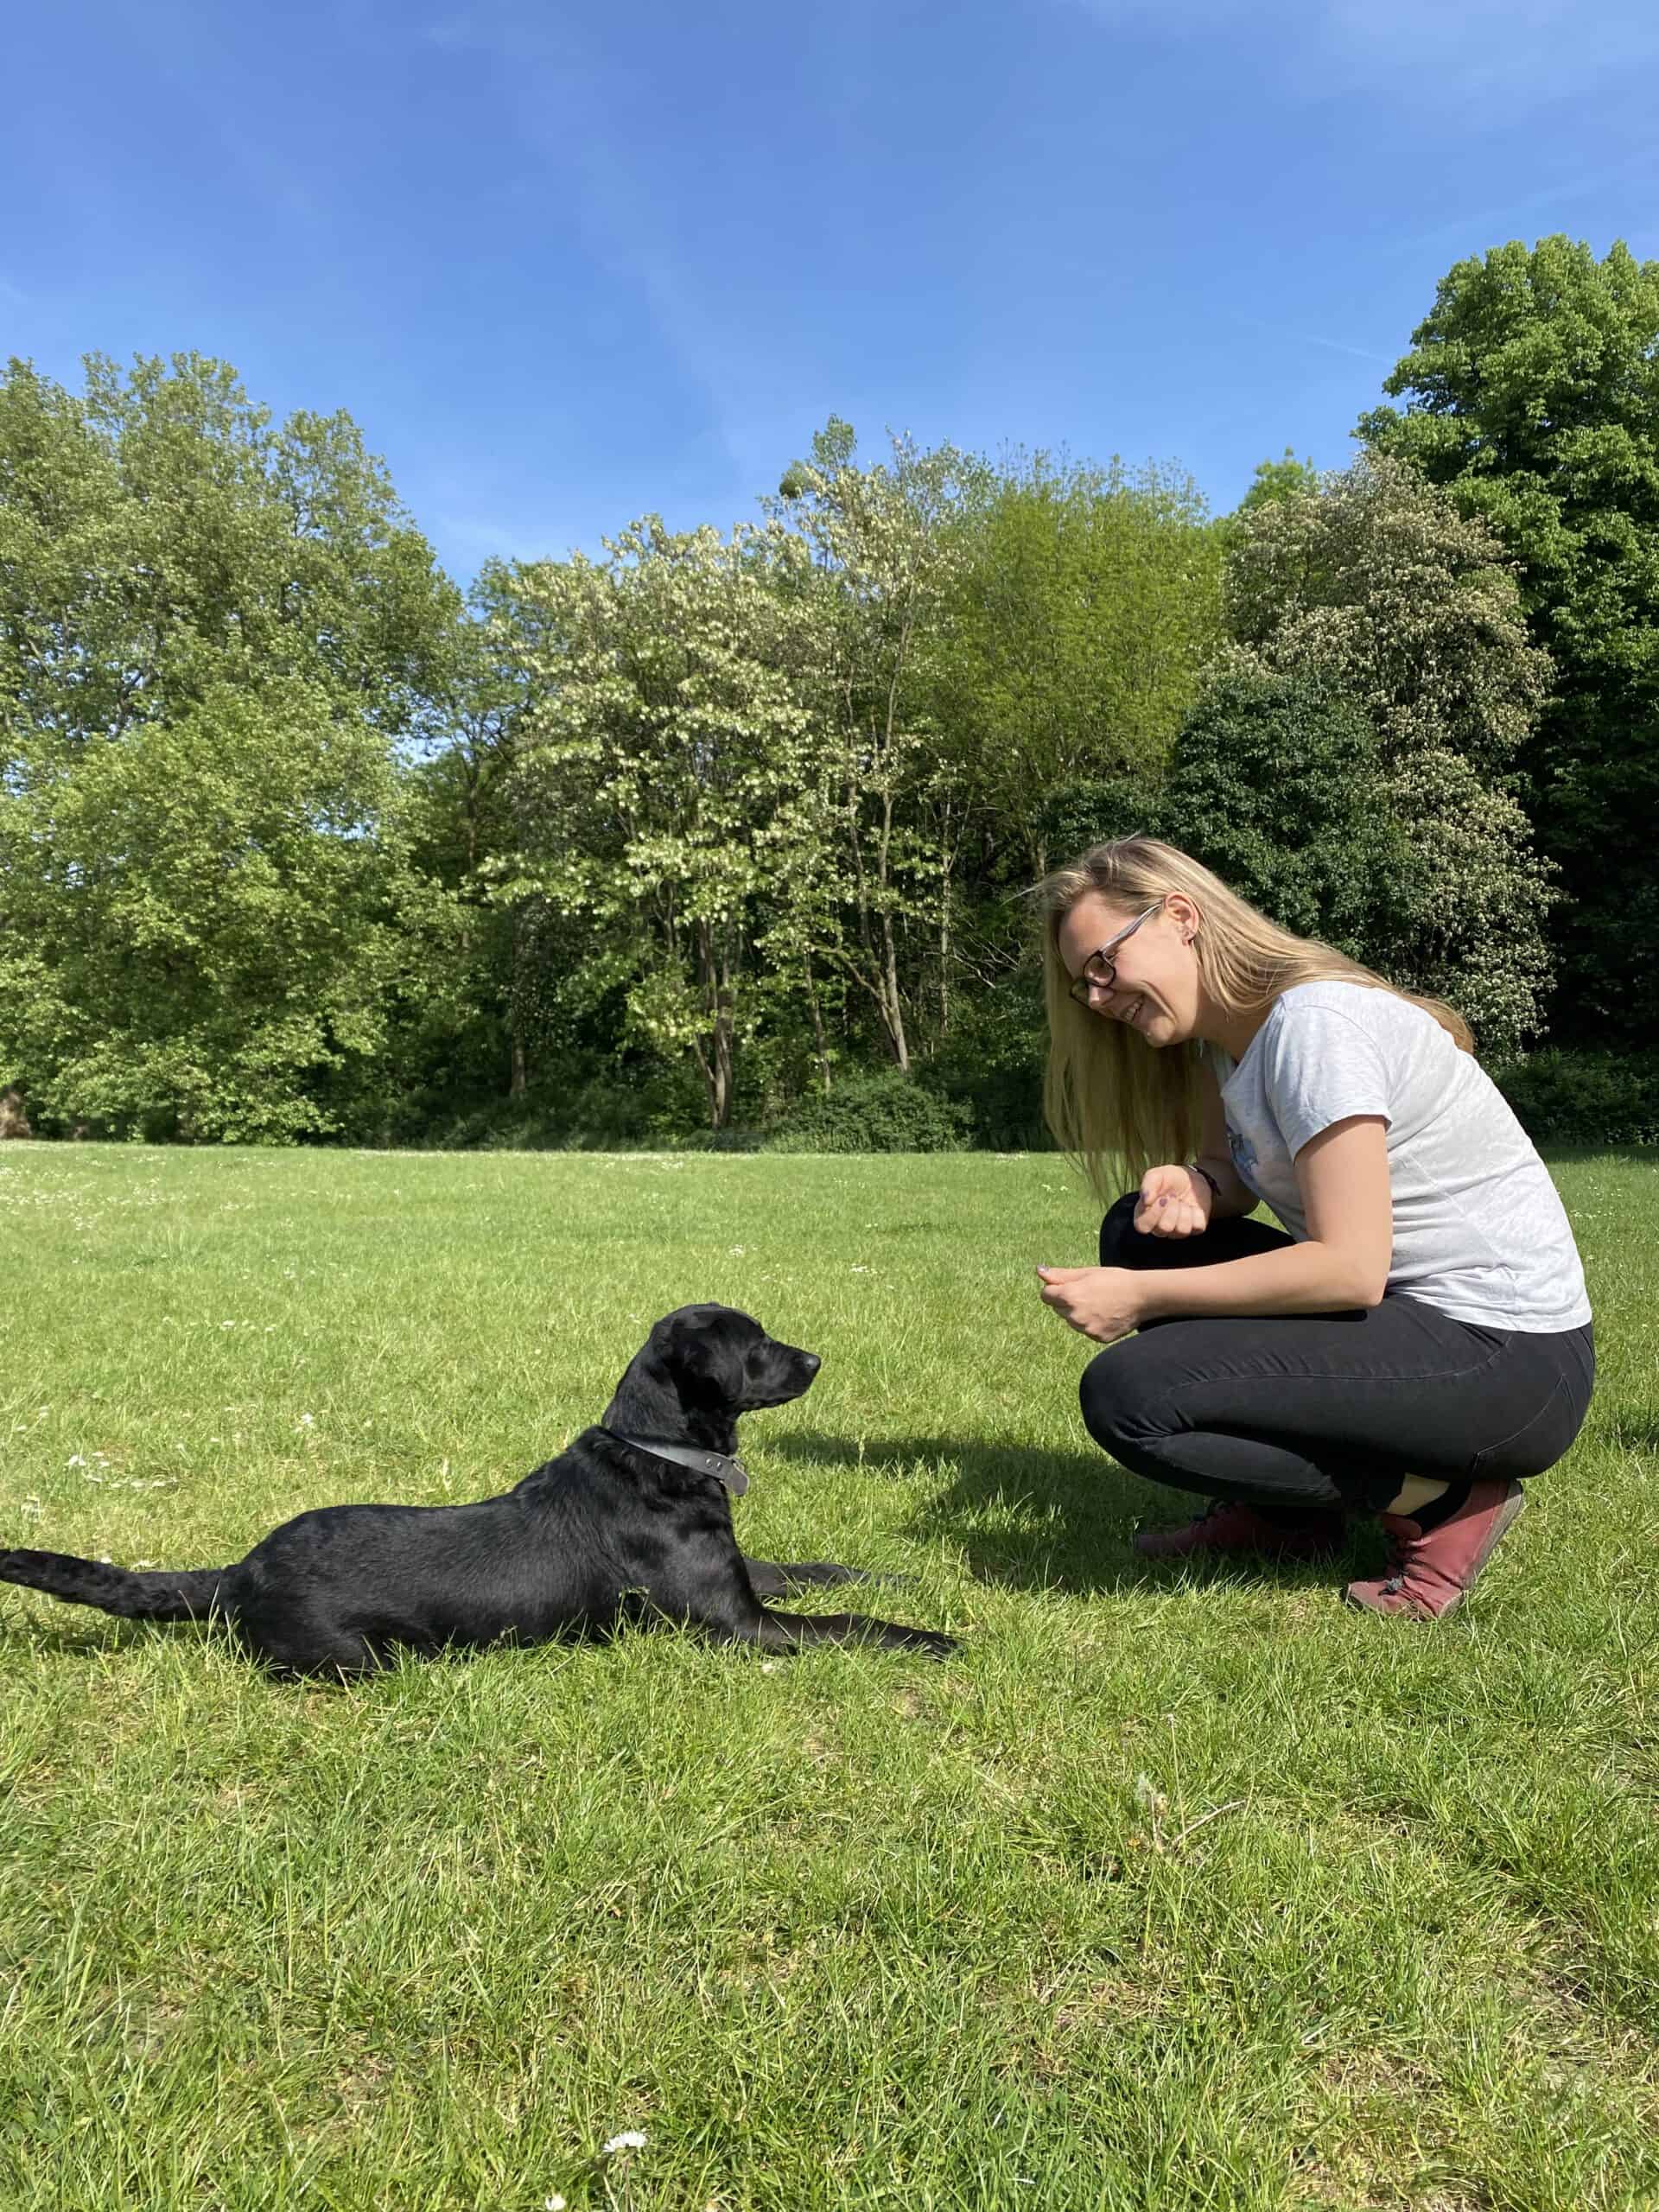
column 1099, row 970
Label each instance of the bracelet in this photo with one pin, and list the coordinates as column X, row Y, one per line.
column 1193, row 1168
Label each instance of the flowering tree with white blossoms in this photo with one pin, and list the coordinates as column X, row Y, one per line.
column 885, row 812
column 662, row 765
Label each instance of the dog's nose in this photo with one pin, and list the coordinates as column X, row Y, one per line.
column 811, row 1361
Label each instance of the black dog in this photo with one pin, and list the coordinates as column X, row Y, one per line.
column 631, row 1523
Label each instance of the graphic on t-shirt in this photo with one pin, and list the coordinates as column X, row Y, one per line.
column 1243, row 1153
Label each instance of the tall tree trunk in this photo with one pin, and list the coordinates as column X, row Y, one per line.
column 944, row 965
column 817, row 1020
column 519, row 1077
column 893, row 1007
column 714, row 985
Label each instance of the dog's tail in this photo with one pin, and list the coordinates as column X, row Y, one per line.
column 186, row 1596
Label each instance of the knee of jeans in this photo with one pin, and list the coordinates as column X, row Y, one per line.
column 1118, row 1224
column 1116, row 1400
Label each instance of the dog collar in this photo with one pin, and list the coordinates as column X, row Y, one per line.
column 731, row 1471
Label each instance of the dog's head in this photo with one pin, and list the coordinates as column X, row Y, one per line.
column 700, row 1368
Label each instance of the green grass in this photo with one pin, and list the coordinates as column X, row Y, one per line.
column 1174, row 1891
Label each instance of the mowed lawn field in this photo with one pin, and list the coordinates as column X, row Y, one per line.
column 1175, row 1890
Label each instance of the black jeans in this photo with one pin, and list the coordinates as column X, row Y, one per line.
column 1299, row 1411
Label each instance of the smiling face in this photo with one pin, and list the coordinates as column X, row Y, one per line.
column 1157, row 990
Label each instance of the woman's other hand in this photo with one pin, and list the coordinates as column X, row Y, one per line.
column 1174, row 1202
column 1104, row 1303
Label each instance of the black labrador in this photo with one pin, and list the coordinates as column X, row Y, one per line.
column 632, row 1522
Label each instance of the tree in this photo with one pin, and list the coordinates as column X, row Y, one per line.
column 1534, row 397
column 885, row 556
column 208, row 922
column 1089, row 603
column 1377, row 587
column 1287, row 479
column 477, row 1025
column 663, row 757
column 1277, row 783
column 214, row 638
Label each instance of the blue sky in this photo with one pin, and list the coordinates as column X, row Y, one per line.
column 567, row 265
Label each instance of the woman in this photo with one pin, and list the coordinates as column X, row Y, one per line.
column 1416, row 1345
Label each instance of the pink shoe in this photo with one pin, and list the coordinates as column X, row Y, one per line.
column 1429, row 1573
column 1231, row 1525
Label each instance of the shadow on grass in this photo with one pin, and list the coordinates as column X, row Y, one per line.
column 1614, row 1155
column 1625, row 1427
column 1031, row 1519
column 78, row 1635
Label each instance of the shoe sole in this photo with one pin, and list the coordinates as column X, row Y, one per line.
column 1503, row 1522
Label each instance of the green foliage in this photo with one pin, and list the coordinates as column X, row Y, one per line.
column 1584, row 1098
column 210, row 921
column 1380, row 589
column 886, row 551
column 1093, row 811
column 160, row 537
column 1276, row 480
column 214, row 637
column 593, row 1108
column 291, row 846
column 1278, row 784
column 1533, row 395
column 874, row 1113
column 991, row 1064
column 664, row 756
column 1088, row 600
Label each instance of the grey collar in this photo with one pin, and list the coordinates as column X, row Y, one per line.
column 731, row 1471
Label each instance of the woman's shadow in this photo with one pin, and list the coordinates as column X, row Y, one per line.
column 1032, row 1518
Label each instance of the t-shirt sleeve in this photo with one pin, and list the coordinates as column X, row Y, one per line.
column 1321, row 1066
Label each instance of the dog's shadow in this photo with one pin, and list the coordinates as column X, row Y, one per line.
column 1034, row 1519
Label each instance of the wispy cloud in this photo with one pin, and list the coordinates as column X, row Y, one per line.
column 1313, row 338
column 1460, row 226
column 571, row 108
column 1501, row 58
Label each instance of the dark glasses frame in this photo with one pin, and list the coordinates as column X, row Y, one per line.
column 1099, row 970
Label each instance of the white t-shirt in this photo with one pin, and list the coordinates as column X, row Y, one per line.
column 1479, row 1230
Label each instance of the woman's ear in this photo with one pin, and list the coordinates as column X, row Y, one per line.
column 1184, row 915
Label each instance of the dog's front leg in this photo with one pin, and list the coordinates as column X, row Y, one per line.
column 790, row 1631
column 776, row 1578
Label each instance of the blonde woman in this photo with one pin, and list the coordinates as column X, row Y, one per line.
column 1417, row 1341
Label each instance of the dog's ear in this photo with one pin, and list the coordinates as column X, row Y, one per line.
column 649, row 1395
column 708, row 1357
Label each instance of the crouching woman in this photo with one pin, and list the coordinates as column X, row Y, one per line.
column 1417, row 1341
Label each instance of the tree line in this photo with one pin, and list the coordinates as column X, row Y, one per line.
column 298, row 841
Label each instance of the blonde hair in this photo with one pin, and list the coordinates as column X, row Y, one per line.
column 1118, row 1106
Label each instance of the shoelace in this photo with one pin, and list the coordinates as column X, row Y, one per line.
column 1398, row 1560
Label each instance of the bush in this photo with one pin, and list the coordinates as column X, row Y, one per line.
column 874, row 1113
column 1277, row 784
column 991, row 1066
column 1563, row 1097
column 590, row 1111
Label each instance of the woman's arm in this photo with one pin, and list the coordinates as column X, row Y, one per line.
column 1233, row 1196
column 1343, row 1175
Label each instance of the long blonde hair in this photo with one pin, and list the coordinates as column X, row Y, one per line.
column 1118, row 1106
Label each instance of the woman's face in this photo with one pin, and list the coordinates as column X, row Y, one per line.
column 1156, row 990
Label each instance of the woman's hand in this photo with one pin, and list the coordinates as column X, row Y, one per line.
column 1104, row 1303
column 1173, row 1203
